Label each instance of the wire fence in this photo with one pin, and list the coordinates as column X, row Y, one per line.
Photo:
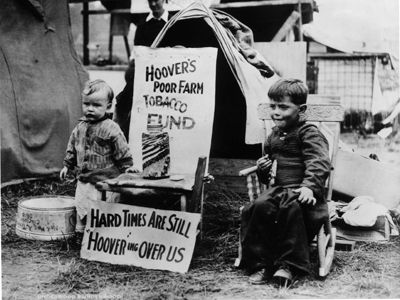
column 351, row 78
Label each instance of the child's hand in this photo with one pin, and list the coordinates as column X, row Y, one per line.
column 132, row 169
column 306, row 195
column 63, row 173
column 264, row 163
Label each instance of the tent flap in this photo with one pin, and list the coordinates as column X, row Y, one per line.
column 252, row 84
column 40, row 86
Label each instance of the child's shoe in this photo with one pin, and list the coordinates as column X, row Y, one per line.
column 283, row 277
column 259, row 277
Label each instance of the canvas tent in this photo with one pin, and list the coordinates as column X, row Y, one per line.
column 40, row 82
column 239, row 85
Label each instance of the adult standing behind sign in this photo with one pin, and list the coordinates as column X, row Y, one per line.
column 147, row 31
column 145, row 34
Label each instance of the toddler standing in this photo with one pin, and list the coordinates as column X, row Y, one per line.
column 97, row 148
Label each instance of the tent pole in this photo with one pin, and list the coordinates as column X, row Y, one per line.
column 85, row 22
column 300, row 22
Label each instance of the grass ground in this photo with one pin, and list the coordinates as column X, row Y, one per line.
column 54, row 270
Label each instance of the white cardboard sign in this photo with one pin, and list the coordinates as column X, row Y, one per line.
column 174, row 87
column 144, row 237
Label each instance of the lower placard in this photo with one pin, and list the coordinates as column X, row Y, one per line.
column 144, row 237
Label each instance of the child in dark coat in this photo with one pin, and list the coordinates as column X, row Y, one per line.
column 277, row 227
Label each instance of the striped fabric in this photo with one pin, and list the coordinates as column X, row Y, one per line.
column 155, row 148
column 97, row 145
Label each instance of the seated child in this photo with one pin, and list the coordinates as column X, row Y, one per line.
column 277, row 227
column 97, row 148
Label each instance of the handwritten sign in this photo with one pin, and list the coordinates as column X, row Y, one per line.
column 139, row 236
column 174, row 87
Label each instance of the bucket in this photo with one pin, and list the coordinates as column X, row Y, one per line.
column 46, row 218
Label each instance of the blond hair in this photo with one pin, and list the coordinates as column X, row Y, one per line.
column 98, row 85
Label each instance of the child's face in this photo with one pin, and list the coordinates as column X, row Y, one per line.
column 95, row 106
column 285, row 113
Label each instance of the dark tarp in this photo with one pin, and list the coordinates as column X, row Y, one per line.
column 40, row 82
